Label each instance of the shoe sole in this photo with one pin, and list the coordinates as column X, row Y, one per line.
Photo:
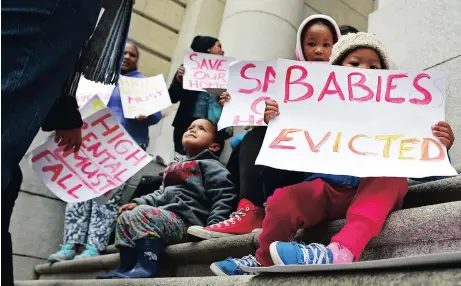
column 275, row 255
column 218, row 272
column 207, row 234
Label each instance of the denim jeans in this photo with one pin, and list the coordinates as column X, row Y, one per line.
column 8, row 199
column 41, row 40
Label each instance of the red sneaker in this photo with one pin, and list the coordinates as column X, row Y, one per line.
column 246, row 219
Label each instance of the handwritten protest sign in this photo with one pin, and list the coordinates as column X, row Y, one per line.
column 91, row 106
column 87, row 89
column 108, row 157
column 204, row 71
column 251, row 83
column 366, row 123
column 143, row 96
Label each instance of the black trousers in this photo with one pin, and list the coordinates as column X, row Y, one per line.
column 9, row 196
column 256, row 183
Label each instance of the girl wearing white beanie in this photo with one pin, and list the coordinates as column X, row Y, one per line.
column 365, row 202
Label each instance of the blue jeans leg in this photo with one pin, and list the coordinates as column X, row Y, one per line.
column 40, row 42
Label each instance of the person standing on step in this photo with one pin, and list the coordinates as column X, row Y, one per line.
column 196, row 191
column 315, row 38
column 195, row 104
column 64, row 118
column 365, row 202
column 87, row 223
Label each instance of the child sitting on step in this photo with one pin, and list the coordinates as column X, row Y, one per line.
column 195, row 191
column 365, row 202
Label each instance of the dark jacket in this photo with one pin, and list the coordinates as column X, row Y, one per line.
column 63, row 115
column 188, row 99
column 198, row 190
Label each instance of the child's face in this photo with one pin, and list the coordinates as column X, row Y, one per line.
column 199, row 136
column 317, row 43
column 363, row 58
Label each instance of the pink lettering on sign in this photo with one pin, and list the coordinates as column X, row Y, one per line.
column 299, row 81
column 391, row 86
column 99, row 166
column 207, row 71
column 269, row 79
column 359, row 84
column 297, row 75
column 427, row 95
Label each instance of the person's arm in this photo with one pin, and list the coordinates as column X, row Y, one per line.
column 150, row 199
column 65, row 118
column 63, row 115
column 153, row 118
column 220, row 190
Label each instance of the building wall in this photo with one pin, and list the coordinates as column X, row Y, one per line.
column 345, row 12
column 424, row 35
column 154, row 27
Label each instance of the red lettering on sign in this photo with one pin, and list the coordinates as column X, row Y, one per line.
column 244, row 76
column 359, row 84
column 283, row 137
column 299, row 81
column 425, row 146
column 254, row 105
column 316, row 147
column 427, row 95
column 336, row 90
column 208, row 64
column 102, row 120
column 390, row 86
column 269, row 78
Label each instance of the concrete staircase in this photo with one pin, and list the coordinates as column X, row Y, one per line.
column 429, row 223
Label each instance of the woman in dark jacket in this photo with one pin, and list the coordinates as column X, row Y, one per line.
column 188, row 98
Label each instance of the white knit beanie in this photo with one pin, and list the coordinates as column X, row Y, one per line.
column 353, row 41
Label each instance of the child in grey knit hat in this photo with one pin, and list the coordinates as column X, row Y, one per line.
column 365, row 202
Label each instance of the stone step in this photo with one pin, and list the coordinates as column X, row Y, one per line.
column 436, row 275
column 409, row 232
column 435, row 192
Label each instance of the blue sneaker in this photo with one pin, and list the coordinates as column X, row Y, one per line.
column 231, row 266
column 66, row 252
column 89, row 251
column 292, row 253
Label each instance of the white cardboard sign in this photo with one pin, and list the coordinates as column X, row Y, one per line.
column 87, row 89
column 365, row 123
column 92, row 106
column 204, row 71
column 251, row 83
column 108, row 157
column 143, row 96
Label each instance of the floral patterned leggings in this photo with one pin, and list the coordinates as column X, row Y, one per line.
column 89, row 223
column 147, row 221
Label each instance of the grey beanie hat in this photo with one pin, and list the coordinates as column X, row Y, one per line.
column 354, row 41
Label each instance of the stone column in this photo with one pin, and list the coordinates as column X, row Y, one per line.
column 201, row 17
column 261, row 29
column 425, row 35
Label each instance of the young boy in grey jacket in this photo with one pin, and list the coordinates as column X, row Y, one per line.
column 195, row 191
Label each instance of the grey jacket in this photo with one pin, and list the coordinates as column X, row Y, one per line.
column 198, row 189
